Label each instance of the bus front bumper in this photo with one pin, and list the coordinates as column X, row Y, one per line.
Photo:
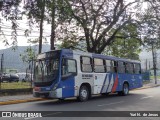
column 48, row 94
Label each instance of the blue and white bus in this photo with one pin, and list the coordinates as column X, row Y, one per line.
column 66, row 73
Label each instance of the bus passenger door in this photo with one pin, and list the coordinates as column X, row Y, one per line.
column 69, row 71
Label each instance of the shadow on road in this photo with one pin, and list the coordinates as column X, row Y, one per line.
column 95, row 98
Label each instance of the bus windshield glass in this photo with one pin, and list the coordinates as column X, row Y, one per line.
column 46, row 70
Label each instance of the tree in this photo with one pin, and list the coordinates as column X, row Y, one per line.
column 46, row 10
column 97, row 19
column 150, row 27
column 155, row 6
column 126, row 44
column 35, row 10
column 10, row 10
column 28, row 55
column 59, row 14
column 52, row 39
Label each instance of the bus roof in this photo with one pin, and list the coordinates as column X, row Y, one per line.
column 78, row 52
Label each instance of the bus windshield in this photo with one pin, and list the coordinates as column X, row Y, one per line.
column 46, row 70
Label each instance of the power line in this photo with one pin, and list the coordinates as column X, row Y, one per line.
column 17, row 27
column 4, row 31
column 21, row 29
column 23, row 35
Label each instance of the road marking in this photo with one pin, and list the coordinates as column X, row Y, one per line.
column 110, row 103
column 146, row 97
column 43, row 115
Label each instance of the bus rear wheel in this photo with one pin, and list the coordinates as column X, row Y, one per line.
column 125, row 90
column 83, row 94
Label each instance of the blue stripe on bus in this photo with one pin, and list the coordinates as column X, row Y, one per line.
column 110, row 77
column 104, row 83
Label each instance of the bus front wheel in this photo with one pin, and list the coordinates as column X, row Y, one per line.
column 83, row 94
column 125, row 90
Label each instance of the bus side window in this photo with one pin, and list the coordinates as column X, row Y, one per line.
column 69, row 67
column 108, row 66
column 137, row 68
column 99, row 65
column 111, row 66
column 121, row 67
column 86, row 64
column 129, row 68
column 114, row 64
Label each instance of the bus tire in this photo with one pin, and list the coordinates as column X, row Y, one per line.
column 83, row 94
column 125, row 90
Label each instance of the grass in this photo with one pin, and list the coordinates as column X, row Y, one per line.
column 152, row 77
column 15, row 85
column 146, row 81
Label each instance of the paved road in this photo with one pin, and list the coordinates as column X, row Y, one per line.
column 137, row 100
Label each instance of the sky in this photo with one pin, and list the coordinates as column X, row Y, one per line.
column 23, row 25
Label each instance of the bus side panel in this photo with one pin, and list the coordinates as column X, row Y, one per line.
column 133, row 80
column 105, row 84
column 82, row 77
column 67, row 86
column 100, row 81
column 111, row 83
column 126, row 78
column 138, row 80
column 117, row 84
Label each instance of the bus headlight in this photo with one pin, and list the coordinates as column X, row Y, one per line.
column 55, row 86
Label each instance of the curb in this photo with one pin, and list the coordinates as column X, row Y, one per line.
column 21, row 101
column 147, row 87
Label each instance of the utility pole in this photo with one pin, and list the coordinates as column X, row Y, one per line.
column 2, row 59
column 154, row 63
column 146, row 65
column 31, row 71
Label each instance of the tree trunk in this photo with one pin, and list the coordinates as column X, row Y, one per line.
column 41, row 27
column 52, row 40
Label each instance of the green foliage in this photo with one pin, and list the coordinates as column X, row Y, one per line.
column 10, row 10
column 70, row 44
column 74, row 45
column 126, row 44
column 28, row 55
column 150, row 25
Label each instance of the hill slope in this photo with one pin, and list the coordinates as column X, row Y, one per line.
column 12, row 59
